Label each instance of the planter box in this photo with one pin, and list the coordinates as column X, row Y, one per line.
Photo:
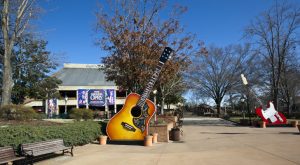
column 294, row 123
column 255, row 123
column 162, row 130
column 244, row 122
column 169, row 119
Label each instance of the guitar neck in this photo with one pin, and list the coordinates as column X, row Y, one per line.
column 256, row 97
column 150, row 85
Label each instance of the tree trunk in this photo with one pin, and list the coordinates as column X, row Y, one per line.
column 289, row 110
column 11, row 29
column 162, row 105
column 7, row 82
column 219, row 109
column 248, row 108
column 275, row 98
column 218, row 103
column 7, row 79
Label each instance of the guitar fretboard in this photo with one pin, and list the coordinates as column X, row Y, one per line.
column 256, row 97
column 150, row 84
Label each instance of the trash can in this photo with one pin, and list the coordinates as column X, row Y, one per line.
column 175, row 134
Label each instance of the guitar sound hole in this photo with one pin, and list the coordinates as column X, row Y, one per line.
column 136, row 111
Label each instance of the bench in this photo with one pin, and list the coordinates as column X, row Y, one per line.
column 31, row 150
column 207, row 114
column 7, row 155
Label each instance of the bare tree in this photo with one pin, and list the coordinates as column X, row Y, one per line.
column 173, row 82
column 15, row 16
column 289, row 87
column 134, row 34
column 215, row 74
column 275, row 34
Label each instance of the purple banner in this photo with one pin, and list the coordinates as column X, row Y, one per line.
column 82, row 96
column 52, row 104
column 110, row 96
column 96, row 97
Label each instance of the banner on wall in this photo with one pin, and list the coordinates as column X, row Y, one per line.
column 110, row 96
column 52, row 110
column 96, row 97
column 82, row 96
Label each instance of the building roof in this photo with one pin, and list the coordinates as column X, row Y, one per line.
column 82, row 75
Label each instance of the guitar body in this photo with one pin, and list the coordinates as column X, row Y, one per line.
column 127, row 124
column 270, row 115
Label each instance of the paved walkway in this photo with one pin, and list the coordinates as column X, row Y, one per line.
column 222, row 143
column 206, row 121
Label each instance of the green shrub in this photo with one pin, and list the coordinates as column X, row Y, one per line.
column 41, row 116
column 77, row 133
column 87, row 114
column 81, row 113
column 17, row 112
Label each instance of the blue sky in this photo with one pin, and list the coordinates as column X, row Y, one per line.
column 68, row 25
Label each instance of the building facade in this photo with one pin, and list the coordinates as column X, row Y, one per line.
column 83, row 86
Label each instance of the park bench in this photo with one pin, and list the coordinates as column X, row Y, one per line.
column 208, row 114
column 7, row 155
column 30, row 150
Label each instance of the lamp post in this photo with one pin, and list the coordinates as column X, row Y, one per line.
column 66, row 100
column 243, row 101
column 155, row 92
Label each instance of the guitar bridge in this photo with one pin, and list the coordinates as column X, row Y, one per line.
column 128, row 127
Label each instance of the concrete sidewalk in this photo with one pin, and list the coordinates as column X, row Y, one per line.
column 199, row 145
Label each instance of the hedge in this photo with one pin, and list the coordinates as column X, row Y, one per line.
column 81, row 113
column 77, row 133
column 17, row 112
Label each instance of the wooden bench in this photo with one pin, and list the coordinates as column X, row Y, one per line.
column 31, row 150
column 208, row 114
column 7, row 155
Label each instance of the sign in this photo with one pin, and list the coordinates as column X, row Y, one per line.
column 110, row 96
column 52, row 104
column 82, row 96
column 96, row 97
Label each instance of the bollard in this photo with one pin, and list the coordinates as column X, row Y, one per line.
column 148, row 141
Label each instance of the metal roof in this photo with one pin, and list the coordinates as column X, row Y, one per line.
column 82, row 76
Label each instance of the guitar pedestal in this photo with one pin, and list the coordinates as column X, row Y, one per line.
column 148, row 141
column 155, row 137
column 102, row 140
column 294, row 123
column 262, row 124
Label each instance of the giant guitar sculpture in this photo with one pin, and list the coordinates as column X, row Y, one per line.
column 131, row 122
column 267, row 114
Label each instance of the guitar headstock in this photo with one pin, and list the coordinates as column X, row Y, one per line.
column 165, row 55
column 245, row 82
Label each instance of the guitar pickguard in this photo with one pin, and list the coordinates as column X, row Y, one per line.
column 140, row 122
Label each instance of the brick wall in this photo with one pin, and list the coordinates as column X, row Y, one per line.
column 162, row 130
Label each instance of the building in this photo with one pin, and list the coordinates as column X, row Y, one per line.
column 83, row 86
